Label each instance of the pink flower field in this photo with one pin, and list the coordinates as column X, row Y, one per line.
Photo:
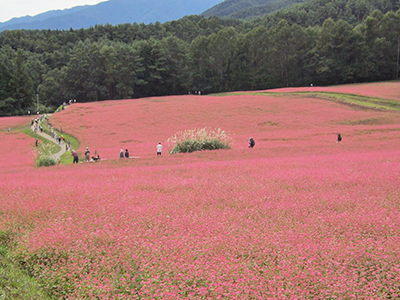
column 387, row 90
column 16, row 148
column 297, row 217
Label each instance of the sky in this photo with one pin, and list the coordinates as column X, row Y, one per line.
column 19, row 8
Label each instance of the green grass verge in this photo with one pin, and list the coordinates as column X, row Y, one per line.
column 342, row 98
column 66, row 158
column 16, row 283
column 46, row 147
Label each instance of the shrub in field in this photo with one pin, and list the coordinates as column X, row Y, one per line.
column 45, row 161
column 45, row 151
column 199, row 139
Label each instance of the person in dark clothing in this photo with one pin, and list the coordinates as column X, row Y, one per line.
column 95, row 158
column 75, row 156
column 126, row 153
column 37, row 142
column 252, row 143
column 339, row 138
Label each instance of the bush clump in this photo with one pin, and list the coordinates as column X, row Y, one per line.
column 199, row 139
column 45, row 161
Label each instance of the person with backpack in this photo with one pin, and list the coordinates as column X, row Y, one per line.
column 252, row 143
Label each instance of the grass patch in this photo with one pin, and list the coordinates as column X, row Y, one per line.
column 66, row 158
column 353, row 100
column 45, row 161
column 45, row 150
column 267, row 123
column 371, row 121
column 16, row 283
column 47, row 147
column 198, row 140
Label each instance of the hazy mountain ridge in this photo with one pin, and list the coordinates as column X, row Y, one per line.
column 112, row 12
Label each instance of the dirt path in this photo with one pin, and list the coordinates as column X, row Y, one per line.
column 57, row 155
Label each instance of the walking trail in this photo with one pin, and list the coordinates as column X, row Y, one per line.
column 57, row 155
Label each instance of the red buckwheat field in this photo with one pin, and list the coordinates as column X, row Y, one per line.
column 299, row 216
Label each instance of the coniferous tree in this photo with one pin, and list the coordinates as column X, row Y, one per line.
column 20, row 84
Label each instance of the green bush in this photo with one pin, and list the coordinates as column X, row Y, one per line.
column 45, row 161
column 199, row 139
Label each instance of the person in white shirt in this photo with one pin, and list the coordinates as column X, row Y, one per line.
column 159, row 148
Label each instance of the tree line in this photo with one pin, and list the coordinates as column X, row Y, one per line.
column 195, row 53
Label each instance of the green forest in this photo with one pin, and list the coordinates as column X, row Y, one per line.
column 316, row 42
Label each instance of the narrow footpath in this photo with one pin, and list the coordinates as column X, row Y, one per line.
column 57, row 155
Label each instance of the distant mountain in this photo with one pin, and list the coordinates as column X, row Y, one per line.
column 247, row 9
column 112, row 12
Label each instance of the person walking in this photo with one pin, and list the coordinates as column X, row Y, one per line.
column 159, row 148
column 75, row 156
column 126, row 153
column 339, row 138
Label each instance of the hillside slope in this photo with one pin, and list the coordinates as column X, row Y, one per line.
column 112, row 12
column 299, row 214
column 247, row 9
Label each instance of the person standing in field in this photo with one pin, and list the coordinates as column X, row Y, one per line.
column 75, row 156
column 121, row 153
column 126, row 153
column 87, row 154
column 252, row 143
column 159, row 148
column 339, row 138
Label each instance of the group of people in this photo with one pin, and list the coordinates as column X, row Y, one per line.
column 68, row 103
column 159, row 147
column 125, row 154
column 94, row 158
column 35, row 123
